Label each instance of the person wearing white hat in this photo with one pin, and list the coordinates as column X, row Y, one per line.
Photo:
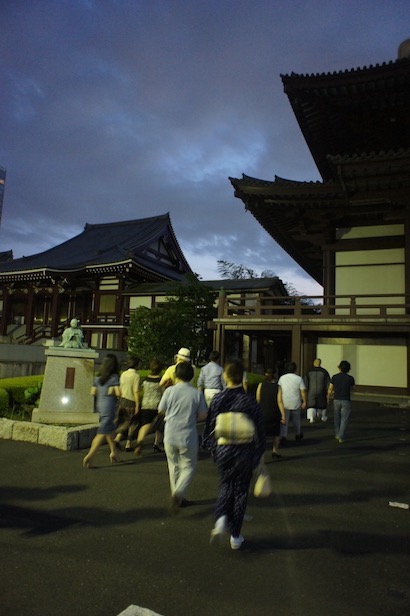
column 169, row 377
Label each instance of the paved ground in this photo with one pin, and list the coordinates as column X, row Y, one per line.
column 92, row 542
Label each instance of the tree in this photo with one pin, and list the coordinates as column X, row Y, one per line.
column 230, row 270
column 181, row 321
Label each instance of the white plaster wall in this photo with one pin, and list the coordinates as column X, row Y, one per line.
column 374, row 365
column 371, row 272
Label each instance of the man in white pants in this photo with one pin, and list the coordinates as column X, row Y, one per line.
column 317, row 382
column 210, row 380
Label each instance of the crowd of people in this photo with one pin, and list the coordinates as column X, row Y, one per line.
column 236, row 422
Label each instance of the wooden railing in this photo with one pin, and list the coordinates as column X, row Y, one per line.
column 392, row 306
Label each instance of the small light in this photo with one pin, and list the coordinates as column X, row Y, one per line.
column 65, row 399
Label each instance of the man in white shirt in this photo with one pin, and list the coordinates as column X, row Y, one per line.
column 210, row 380
column 292, row 399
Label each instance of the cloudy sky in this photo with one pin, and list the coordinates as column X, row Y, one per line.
column 121, row 109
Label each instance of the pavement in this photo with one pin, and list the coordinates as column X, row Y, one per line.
column 99, row 542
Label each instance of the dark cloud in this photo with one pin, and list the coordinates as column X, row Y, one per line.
column 122, row 109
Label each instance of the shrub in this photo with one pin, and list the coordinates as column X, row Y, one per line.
column 4, row 403
column 17, row 386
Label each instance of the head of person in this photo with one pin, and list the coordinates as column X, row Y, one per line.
column 155, row 366
column 344, row 366
column 269, row 374
column 317, row 362
column 134, row 362
column 214, row 356
column 233, row 371
column 290, row 367
column 109, row 366
column 184, row 371
column 74, row 323
column 183, row 354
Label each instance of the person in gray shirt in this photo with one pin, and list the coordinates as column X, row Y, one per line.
column 210, row 380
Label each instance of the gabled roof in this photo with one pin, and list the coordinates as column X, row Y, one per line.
column 302, row 217
column 352, row 112
column 147, row 246
column 357, row 126
column 6, row 256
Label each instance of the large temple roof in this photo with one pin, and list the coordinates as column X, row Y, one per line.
column 357, row 126
column 147, row 246
column 302, row 217
column 352, row 112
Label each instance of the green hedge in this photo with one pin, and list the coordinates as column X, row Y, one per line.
column 4, row 402
column 16, row 387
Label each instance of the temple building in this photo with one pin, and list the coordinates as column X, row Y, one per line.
column 87, row 278
column 350, row 231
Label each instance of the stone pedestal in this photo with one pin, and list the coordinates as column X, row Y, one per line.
column 65, row 395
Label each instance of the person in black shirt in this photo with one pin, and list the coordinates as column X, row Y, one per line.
column 340, row 387
column 267, row 396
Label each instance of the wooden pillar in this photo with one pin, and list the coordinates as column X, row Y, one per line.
column 407, row 283
column 297, row 345
column 55, row 310
column 5, row 312
column 29, row 315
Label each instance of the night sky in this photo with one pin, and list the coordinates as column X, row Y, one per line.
column 117, row 110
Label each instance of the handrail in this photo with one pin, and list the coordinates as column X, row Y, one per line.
column 360, row 305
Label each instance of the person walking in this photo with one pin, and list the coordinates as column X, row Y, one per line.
column 341, row 386
column 235, row 461
column 169, row 376
column 183, row 406
column 128, row 404
column 291, row 400
column 267, row 397
column 106, row 390
column 151, row 396
column 317, row 382
column 210, row 380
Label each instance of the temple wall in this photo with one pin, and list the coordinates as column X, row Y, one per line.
column 374, row 365
column 21, row 360
column 371, row 272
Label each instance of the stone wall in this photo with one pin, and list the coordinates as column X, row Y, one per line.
column 60, row 437
column 30, row 359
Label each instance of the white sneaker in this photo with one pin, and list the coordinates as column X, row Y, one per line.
column 236, row 542
column 220, row 529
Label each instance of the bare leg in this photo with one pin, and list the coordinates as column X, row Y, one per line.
column 159, row 438
column 275, row 447
column 142, row 433
column 97, row 441
column 113, row 452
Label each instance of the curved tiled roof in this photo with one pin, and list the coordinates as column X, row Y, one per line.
column 109, row 245
column 352, row 112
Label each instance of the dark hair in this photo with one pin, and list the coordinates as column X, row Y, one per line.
column 155, row 366
column 109, row 367
column 234, row 371
column 134, row 362
column 214, row 356
column 270, row 374
column 344, row 366
column 290, row 366
column 184, row 371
